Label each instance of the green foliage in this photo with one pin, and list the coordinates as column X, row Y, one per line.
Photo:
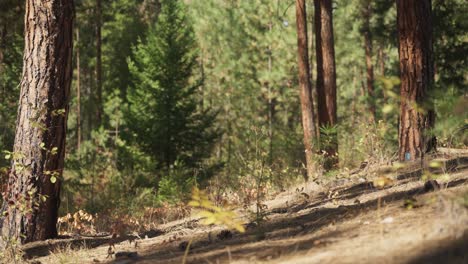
column 450, row 49
column 207, row 90
column 106, row 173
column 176, row 185
column 249, row 59
column 163, row 113
column 450, row 37
column 121, row 31
column 451, row 117
column 11, row 49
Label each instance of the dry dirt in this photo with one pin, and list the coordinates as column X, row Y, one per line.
column 350, row 223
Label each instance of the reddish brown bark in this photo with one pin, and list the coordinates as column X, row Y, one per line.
column 367, row 10
column 417, row 78
column 307, row 105
column 326, row 76
column 41, row 123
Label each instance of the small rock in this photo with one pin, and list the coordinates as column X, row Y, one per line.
column 387, row 220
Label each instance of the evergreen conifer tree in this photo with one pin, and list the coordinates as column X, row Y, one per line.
column 163, row 104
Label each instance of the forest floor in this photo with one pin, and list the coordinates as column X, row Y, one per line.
column 407, row 220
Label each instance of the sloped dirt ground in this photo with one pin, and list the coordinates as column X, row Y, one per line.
column 351, row 223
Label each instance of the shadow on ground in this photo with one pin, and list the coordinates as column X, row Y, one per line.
column 455, row 252
column 241, row 246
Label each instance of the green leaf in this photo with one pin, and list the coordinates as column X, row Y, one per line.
column 54, row 150
column 53, row 179
column 387, row 108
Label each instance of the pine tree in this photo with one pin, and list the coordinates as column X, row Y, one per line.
column 163, row 102
column 417, row 78
column 307, row 104
column 30, row 209
column 326, row 80
column 251, row 75
column 367, row 15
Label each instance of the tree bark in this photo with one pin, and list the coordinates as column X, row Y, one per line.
column 307, row 105
column 417, row 78
column 32, row 199
column 78, row 92
column 326, row 77
column 366, row 12
column 312, row 66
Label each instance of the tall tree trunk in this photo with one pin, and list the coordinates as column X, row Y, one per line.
column 99, row 103
column 307, row 105
column 32, row 199
column 366, row 12
column 78, row 91
column 90, row 101
column 312, row 66
column 326, row 78
column 417, row 78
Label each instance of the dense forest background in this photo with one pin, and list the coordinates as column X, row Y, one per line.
column 167, row 95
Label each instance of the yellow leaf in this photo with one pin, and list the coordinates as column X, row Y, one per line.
column 194, row 203
column 435, row 164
